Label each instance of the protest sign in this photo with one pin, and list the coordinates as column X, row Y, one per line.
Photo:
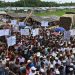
column 24, row 32
column 11, row 41
column 72, row 32
column 1, row 32
column 4, row 20
column 44, row 23
column 13, row 22
column 22, row 24
column 66, row 35
column 4, row 32
column 35, row 32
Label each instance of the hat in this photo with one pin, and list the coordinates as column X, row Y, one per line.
column 73, row 50
column 33, row 68
column 41, row 56
column 51, row 66
column 0, row 60
column 71, row 64
column 61, row 55
column 44, row 57
column 28, row 61
column 56, row 58
column 72, row 56
column 38, row 54
column 7, row 59
column 42, row 70
column 69, row 42
column 57, row 72
column 71, row 69
column 64, row 61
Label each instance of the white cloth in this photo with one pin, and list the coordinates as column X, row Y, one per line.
column 21, row 59
column 32, row 73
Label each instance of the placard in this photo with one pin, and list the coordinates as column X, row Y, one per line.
column 67, row 35
column 11, row 41
column 22, row 24
column 44, row 23
column 24, row 32
column 35, row 32
column 1, row 32
column 13, row 22
column 4, row 20
column 5, row 32
column 72, row 32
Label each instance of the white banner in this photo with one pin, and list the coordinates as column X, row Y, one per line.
column 4, row 20
column 1, row 32
column 14, row 22
column 66, row 35
column 25, row 32
column 35, row 32
column 44, row 23
column 5, row 32
column 11, row 41
column 22, row 24
column 72, row 32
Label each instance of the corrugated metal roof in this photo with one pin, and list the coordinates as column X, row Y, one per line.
column 3, row 13
column 17, row 15
column 49, row 19
column 37, row 18
column 68, row 15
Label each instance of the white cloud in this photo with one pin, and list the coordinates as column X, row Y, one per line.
column 60, row 1
column 9, row 0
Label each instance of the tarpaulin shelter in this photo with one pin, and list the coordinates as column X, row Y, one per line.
column 59, row 29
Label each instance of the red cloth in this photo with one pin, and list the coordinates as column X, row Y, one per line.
column 55, row 33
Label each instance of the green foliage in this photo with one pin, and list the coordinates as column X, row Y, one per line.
column 28, row 3
column 54, row 12
column 33, row 3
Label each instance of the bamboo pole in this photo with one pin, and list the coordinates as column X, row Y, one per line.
column 28, row 16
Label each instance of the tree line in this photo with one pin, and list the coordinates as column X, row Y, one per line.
column 33, row 3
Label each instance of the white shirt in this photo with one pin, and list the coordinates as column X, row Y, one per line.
column 21, row 59
column 32, row 73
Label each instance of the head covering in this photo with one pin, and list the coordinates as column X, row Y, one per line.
column 7, row 59
column 0, row 60
column 74, row 50
column 57, row 72
column 38, row 54
column 71, row 64
column 42, row 70
column 28, row 61
column 51, row 66
column 71, row 69
column 56, row 58
column 64, row 61
column 33, row 68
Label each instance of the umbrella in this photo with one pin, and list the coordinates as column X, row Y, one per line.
column 59, row 29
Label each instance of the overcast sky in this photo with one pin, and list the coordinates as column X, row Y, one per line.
column 59, row 1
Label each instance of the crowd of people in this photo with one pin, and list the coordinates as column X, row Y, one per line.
column 44, row 54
